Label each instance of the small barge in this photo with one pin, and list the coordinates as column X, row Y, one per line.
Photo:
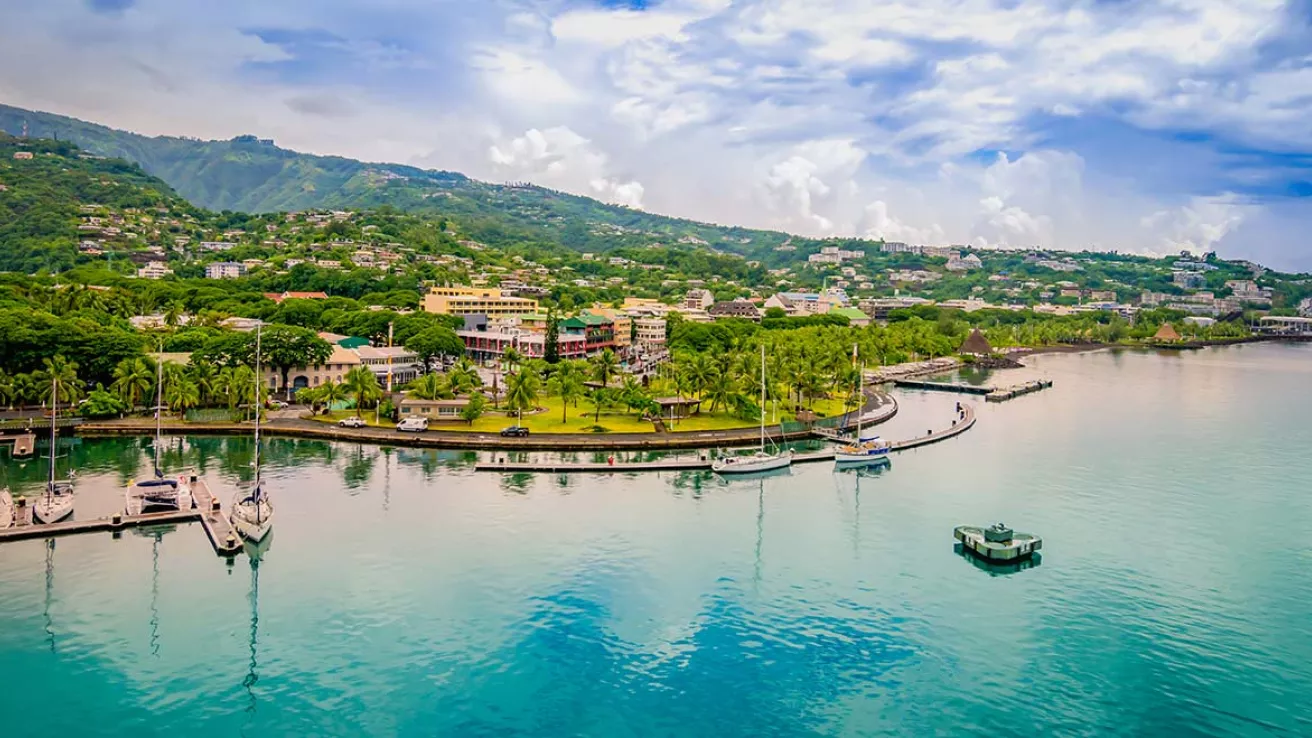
column 997, row 543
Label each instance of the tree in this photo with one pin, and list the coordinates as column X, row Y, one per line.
column 205, row 375
column 361, row 384
column 103, row 404
column 604, row 366
column 173, row 313
column 331, row 393
column 474, row 410
column 133, row 378
column 434, row 342
column 61, row 374
column 511, row 359
column 181, row 393
column 522, row 391
column 432, row 387
column 8, row 389
column 285, row 347
column 464, row 377
column 600, row 397
column 551, row 350
column 567, row 384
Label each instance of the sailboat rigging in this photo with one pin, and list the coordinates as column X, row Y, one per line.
column 759, row 461
column 158, row 494
column 57, row 503
column 862, row 451
column 252, row 512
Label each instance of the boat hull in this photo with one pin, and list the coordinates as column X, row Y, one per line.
column 52, row 509
column 843, row 459
column 252, row 521
column 749, row 465
column 6, row 509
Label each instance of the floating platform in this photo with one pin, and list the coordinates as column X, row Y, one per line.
column 997, row 544
column 206, row 510
column 964, row 420
column 23, row 445
column 1002, row 394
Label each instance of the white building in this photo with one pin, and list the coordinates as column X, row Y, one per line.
column 402, row 363
column 225, row 270
column 698, row 300
column 154, row 270
column 649, row 332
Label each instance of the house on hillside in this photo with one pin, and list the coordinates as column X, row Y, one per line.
column 736, row 309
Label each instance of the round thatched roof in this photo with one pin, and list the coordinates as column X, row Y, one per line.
column 976, row 344
column 1166, row 333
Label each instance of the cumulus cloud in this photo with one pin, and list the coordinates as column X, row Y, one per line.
column 984, row 121
column 558, row 157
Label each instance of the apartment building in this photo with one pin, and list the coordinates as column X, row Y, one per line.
column 489, row 301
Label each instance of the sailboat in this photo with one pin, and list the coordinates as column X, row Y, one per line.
column 759, row 461
column 864, row 450
column 6, row 508
column 252, row 512
column 57, row 503
column 158, row 494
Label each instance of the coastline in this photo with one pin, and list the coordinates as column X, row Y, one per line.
column 884, row 403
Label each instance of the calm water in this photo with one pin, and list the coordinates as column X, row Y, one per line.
column 405, row 594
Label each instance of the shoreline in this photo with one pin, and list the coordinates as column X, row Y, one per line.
column 885, row 403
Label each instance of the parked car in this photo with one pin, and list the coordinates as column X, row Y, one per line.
column 277, row 405
column 352, row 422
column 514, row 431
column 413, row 424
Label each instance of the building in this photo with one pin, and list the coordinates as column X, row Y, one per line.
column 623, row 325
column 438, row 410
column 597, row 331
column 489, row 301
column 402, row 363
column 854, row 317
column 897, row 247
column 154, row 270
column 1285, row 326
column 216, row 245
column 492, row 344
column 278, row 298
column 22, row 155
column 964, row 263
column 225, row 270
column 698, row 300
column 649, row 333
column 1305, row 307
column 1189, row 280
column 976, row 344
column 339, row 363
column 739, row 308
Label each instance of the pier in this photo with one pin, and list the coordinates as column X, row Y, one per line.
column 991, row 394
column 962, row 423
column 23, row 445
column 206, row 510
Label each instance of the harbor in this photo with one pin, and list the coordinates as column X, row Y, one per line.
column 990, row 394
column 964, row 421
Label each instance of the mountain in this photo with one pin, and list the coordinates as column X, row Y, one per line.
column 253, row 175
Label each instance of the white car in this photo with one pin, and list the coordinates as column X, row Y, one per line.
column 352, row 422
column 413, row 424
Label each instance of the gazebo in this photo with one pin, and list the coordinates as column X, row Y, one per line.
column 1166, row 333
column 976, row 344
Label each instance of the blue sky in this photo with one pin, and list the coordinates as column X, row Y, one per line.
column 1144, row 126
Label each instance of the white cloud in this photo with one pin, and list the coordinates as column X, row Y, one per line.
column 558, row 157
column 1199, row 225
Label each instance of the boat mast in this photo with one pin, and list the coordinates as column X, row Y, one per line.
column 54, row 417
column 159, row 405
column 762, row 398
column 860, row 393
column 258, row 407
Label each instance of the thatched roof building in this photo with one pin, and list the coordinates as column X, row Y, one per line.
column 1166, row 333
column 976, row 344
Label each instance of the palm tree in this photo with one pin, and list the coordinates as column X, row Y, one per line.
column 522, row 391
column 133, row 378
column 225, row 386
column 63, row 374
column 721, row 391
column 511, row 359
column 604, row 366
column 633, row 394
column 8, row 388
column 567, row 384
column 434, row 386
column 331, row 393
column 362, row 384
column 205, row 375
column 173, row 313
column 464, row 377
column 181, row 393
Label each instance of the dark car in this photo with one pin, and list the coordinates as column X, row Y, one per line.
column 514, row 431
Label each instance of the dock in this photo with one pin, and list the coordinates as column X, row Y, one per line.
column 991, row 394
column 206, row 510
column 963, row 422
column 23, row 445
column 997, row 544
column 225, row 540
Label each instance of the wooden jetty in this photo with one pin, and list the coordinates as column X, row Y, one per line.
column 964, row 420
column 23, row 445
column 225, row 540
column 991, row 394
column 206, row 510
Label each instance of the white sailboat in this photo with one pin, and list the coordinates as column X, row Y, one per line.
column 865, row 450
column 57, row 503
column 158, row 494
column 252, row 512
column 6, row 508
column 759, row 461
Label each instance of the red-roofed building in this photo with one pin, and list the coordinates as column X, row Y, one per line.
column 296, row 296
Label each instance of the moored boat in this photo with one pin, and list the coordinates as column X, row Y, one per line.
column 865, row 449
column 57, row 502
column 759, row 461
column 158, row 494
column 252, row 512
column 997, row 543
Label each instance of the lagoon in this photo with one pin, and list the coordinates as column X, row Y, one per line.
column 403, row 593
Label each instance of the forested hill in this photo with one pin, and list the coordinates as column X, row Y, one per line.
column 42, row 200
column 252, row 175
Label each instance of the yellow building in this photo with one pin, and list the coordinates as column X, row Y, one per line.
column 487, row 301
column 631, row 303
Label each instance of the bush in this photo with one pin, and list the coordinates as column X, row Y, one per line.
column 103, row 404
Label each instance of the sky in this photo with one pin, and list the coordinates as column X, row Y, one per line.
column 1131, row 125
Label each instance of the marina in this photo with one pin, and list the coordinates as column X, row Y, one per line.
column 990, row 394
column 21, row 446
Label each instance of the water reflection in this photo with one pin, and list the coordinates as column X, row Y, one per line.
column 995, row 569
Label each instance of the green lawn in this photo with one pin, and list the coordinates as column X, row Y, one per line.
column 368, row 416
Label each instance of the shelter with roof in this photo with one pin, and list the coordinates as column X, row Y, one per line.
column 976, row 344
column 1166, row 333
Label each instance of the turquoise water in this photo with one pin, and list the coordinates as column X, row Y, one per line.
column 405, row 594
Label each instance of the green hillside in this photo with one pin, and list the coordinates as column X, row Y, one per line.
column 251, row 175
